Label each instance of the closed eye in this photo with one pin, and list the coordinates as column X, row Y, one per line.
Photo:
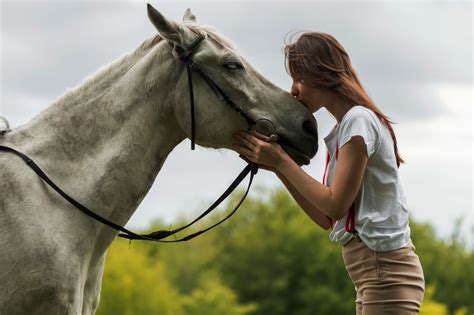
column 233, row 66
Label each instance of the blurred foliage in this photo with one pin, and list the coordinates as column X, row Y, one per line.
column 215, row 298
column 268, row 259
column 136, row 284
column 430, row 306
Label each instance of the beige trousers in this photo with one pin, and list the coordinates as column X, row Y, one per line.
column 386, row 282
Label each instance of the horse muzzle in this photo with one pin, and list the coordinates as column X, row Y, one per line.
column 267, row 128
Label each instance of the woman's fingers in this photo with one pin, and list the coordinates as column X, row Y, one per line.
column 261, row 136
column 257, row 148
column 245, row 152
column 246, row 146
column 245, row 139
column 253, row 137
column 250, row 145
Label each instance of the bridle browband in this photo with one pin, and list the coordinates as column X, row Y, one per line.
column 159, row 236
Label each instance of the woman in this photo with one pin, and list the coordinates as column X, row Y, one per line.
column 360, row 198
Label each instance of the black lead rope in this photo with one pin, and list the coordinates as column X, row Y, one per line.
column 71, row 200
column 251, row 167
column 156, row 236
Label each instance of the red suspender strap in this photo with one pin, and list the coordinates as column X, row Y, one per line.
column 350, row 222
column 328, row 157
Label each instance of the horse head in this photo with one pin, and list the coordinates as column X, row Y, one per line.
column 267, row 108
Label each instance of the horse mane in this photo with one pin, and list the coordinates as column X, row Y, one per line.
column 214, row 34
column 107, row 75
column 103, row 78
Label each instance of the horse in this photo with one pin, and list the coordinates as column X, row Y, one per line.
column 104, row 142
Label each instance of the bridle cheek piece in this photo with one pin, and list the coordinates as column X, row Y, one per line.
column 186, row 57
column 161, row 235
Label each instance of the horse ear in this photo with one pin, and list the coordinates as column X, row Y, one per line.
column 4, row 126
column 168, row 29
column 189, row 16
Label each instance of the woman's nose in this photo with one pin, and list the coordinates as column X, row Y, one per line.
column 294, row 89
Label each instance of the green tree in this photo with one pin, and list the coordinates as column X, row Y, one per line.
column 276, row 257
column 447, row 266
column 214, row 298
column 268, row 259
column 152, row 278
column 431, row 307
column 273, row 255
column 134, row 284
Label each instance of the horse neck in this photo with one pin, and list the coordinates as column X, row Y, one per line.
column 106, row 141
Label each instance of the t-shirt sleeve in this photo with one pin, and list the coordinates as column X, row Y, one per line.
column 360, row 123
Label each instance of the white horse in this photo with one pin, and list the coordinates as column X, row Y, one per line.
column 104, row 143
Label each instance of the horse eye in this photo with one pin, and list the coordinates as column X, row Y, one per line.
column 233, row 66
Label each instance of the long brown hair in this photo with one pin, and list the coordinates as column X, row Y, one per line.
column 319, row 60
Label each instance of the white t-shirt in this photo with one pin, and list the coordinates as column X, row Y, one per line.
column 381, row 214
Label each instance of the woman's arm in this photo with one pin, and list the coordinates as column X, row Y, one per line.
column 316, row 215
column 333, row 201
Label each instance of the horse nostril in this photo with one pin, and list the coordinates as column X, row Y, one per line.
column 311, row 127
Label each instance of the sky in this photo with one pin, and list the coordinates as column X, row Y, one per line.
column 415, row 59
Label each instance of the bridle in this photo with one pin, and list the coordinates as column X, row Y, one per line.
column 159, row 236
column 185, row 56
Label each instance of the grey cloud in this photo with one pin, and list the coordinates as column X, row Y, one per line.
column 416, row 41
column 55, row 45
column 399, row 49
column 67, row 41
column 404, row 100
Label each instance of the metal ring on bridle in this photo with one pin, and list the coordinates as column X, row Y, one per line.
column 274, row 137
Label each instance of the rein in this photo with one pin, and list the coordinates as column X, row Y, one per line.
column 156, row 236
column 161, row 235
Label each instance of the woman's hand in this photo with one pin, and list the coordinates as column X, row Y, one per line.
column 258, row 148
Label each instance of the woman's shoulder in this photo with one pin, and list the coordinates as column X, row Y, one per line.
column 360, row 121
column 361, row 116
column 360, row 112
